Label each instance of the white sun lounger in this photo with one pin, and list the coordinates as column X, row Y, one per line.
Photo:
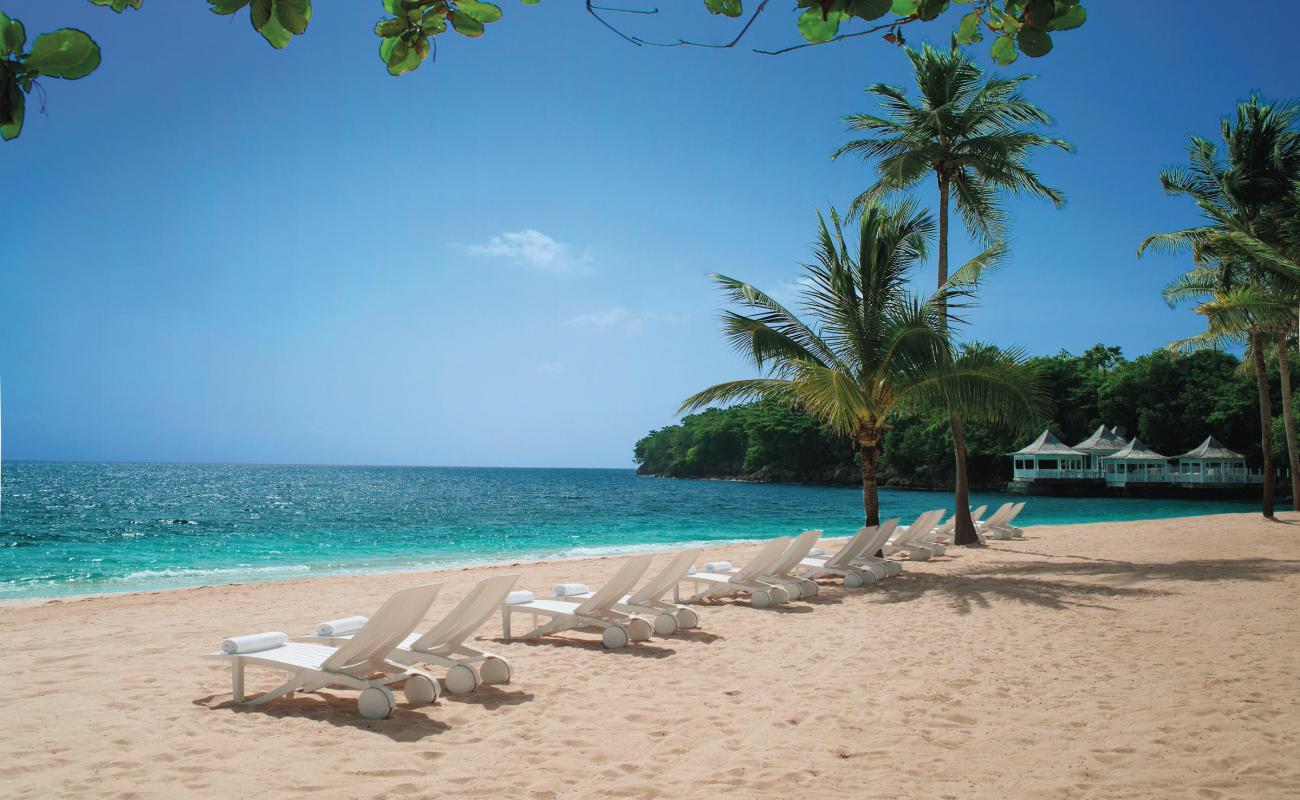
column 746, row 580
column 781, row 573
column 444, row 644
column 596, row 610
column 649, row 599
column 880, row 567
column 840, row 563
column 312, row 667
column 905, row 540
column 945, row 533
column 999, row 525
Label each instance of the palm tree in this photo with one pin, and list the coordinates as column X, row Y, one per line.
column 1245, row 268
column 971, row 134
column 874, row 348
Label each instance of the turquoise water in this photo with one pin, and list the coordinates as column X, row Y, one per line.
column 91, row 528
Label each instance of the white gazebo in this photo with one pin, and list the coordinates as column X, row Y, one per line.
column 1211, row 462
column 1046, row 457
column 1103, row 442
column 1135, row 463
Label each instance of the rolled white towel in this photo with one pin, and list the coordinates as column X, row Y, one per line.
column 520, row 597
column 817, row 551
column 253, row 643
column 570, row 589
column 719, row 566
column 340, row 627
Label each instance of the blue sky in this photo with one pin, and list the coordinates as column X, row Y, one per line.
column 213, row 251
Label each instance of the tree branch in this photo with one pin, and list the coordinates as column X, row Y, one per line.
column 594, row 10
column 732, row 43
column 877, row 29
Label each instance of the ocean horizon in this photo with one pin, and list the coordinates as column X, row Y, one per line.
column 76, row 528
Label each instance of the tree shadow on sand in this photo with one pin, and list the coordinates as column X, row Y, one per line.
column 408, row 724
column 635, row 649
column 1045, row 584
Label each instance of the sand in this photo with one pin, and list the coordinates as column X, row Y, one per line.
column 1147, row 659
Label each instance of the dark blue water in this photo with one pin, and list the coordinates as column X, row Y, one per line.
column 89, row 528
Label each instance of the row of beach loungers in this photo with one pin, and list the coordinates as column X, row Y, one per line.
column 372, row 654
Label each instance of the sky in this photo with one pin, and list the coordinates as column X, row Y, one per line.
column 212, row 251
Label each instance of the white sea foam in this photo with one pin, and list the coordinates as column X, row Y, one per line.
column 223, row 572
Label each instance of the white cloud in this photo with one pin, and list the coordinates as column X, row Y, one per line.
column 534, row 249
column 551, row 368
column 623, row 319
column 790, row 293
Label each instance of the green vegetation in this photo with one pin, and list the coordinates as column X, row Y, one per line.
column 875, row 350
column 407, row 34
column 1246, row 274
column 973, row 135
column 1171, row 400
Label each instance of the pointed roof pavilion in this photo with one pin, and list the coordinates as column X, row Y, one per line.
column 1136, row 451
column 1046, row 445
column 1213, row 449
column 1103, row 440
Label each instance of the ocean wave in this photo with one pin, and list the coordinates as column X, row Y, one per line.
column 182, row 572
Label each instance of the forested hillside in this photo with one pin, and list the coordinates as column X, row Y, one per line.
column 1171, row 401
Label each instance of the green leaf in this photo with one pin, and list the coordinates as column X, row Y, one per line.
column 485, row 13
column 66, row 53
column 1004, row 50
column 275, row 34
column 435, row 22
column 293, row 15
column 389, row 27
column 929, row 9
column 869, row 9
column 817, row 28
column 226, row 7
column 12, row 35
column 1069, row 17
column 1033, row 42
column 728, row 8
column 15, row 111
column 968, row 30
column 398, row 55
column 465, row 24
column 259, row 13
column 904, row 8
column 394, row 7
column 118, row 5
column 530, row 2
column 1039, row 13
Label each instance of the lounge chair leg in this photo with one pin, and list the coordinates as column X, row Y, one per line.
column 505, row 623
column 284, row 689
column 237, row 679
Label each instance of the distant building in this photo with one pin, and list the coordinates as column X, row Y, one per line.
column 1106, row 463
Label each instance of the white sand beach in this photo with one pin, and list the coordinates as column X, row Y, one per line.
column 1146, row 660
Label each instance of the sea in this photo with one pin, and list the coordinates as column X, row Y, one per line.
column 83, row 528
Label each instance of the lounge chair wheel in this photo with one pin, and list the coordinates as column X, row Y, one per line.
column 854, row 580
column 419, row 690
column 760, row 599
column 665, row 624
column 686, row 618
column 495, row 669
column 780, row 595
column 893, row 569
column 877, row 570
column 639, row 629
column 615, row 636
column 463, row 679
column 377, row 702
column 809, row 588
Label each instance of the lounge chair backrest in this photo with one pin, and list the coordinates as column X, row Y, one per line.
column 947, row 527
column 857, row 546
column 1015, row 512
column 469, row 614
column 619, row 584
column 977, row 513
column 1000, row 516
column 923, row 525
column 392, row 623
column 762, row 561
column 668, row 577
column 794, row 553
column 872, row 545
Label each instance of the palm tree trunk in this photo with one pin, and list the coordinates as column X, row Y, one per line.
column 964, row 530
column 1288, row 419
column 1265, row 419
column 870, row 452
